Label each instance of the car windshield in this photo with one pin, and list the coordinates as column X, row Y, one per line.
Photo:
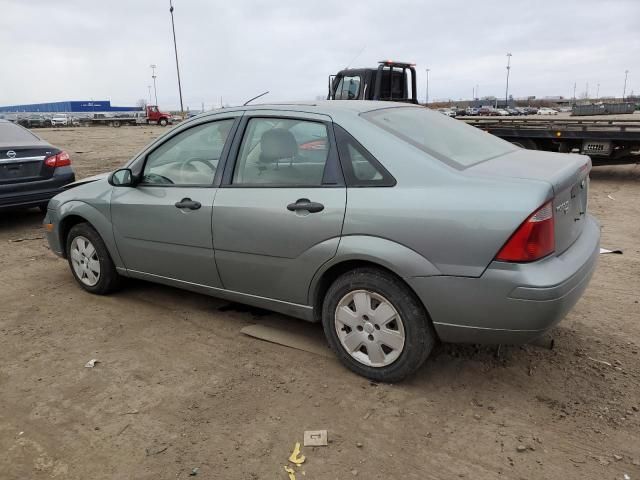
column 12, row 133
column 451, row 141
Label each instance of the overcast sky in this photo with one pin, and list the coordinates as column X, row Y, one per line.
column 99, row 49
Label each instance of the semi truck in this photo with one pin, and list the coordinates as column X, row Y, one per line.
column 151, row 115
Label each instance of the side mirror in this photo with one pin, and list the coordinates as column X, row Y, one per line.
column 122, row 178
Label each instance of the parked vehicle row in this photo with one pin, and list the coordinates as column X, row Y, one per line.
column 306, row 210
column 489, row 111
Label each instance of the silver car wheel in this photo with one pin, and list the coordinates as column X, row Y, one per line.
column 369, row 328
column 84, row 260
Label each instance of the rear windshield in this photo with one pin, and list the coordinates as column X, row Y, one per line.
column 13, row 133
column 452, row 141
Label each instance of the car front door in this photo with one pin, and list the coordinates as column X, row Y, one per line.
column 278, row 214
column 162, row 226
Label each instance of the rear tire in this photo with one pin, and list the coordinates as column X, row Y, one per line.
column 376, row 325
column 525, row 143
column 89, row 260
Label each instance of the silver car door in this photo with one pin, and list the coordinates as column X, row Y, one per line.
column 278, row 215
column 162, row 226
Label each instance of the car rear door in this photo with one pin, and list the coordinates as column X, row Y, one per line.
column 162, row 226
column 278, row 214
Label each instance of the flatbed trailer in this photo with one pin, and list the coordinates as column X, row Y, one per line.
column 607, row 141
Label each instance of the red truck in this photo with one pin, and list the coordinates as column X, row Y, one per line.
column 150, row 116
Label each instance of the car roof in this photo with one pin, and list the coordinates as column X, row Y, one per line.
column 323, row 107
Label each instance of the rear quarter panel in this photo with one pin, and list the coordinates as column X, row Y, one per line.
column 456, row 221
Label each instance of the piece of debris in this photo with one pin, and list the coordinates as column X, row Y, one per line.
column 194, row 472
column 600, row 361
column 156, row 450
column 122, row 431
column 25, row 239
column 354, row 472
column 359, row 444
column 606, row 250
column 617, row 457
column 291, row 472
column 315, row 438
column 626, row 477
column 521, row 448
column 296, row 457
column 293, row 338
column 611, row 197
column 91, row 363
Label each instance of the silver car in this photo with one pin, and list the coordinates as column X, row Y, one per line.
column 393, row 225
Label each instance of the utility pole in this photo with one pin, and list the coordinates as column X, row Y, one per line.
column 427, row 101
column 477, row 92
column 175, row 47
column 575, row 84
column 506, row 93
column 586, row 91
column 598, row 92
column 153, row 75
column 624, row 90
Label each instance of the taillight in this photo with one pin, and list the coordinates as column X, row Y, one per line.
column 59, row 160
column 534, row 239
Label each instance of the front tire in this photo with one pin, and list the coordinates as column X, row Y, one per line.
column 163, row 122
column 90, row 261
column 376, row 325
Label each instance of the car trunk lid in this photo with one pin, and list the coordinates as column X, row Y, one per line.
column 19, row 164
column 568, row 175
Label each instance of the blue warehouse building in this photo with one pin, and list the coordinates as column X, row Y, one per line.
column 73, row 106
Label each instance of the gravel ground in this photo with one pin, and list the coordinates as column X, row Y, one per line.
column 177, row 386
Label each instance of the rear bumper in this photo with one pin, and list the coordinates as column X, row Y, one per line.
column 31, row 194
column 511, row 303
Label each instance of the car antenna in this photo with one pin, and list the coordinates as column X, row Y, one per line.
column 356, row 57
column 254, row 98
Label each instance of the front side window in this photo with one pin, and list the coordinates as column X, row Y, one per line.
column 451, row 141
column 280, row 151
column 348, row 88
column 190, row 157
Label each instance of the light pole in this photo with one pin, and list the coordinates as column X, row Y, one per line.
column 624, row 90
column 598, row 92
column 175, row 47
column 149, row 88
column 506, row 93
column 153, row 75
column 575, row 84
column 477, row 92
column 427, row 96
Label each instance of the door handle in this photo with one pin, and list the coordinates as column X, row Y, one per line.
column 189, row 204
column 305, row 204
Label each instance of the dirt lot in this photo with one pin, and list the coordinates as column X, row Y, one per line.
column 179, row 387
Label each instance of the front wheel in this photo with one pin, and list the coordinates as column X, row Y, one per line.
column 376, row 325
column 90, row 261
column 163, row 122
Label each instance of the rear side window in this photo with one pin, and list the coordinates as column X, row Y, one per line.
column 449, row 140
column 282, row 152
column 13, row 133
column 361, row 169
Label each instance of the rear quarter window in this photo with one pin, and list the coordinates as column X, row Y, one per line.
column 449, row 140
